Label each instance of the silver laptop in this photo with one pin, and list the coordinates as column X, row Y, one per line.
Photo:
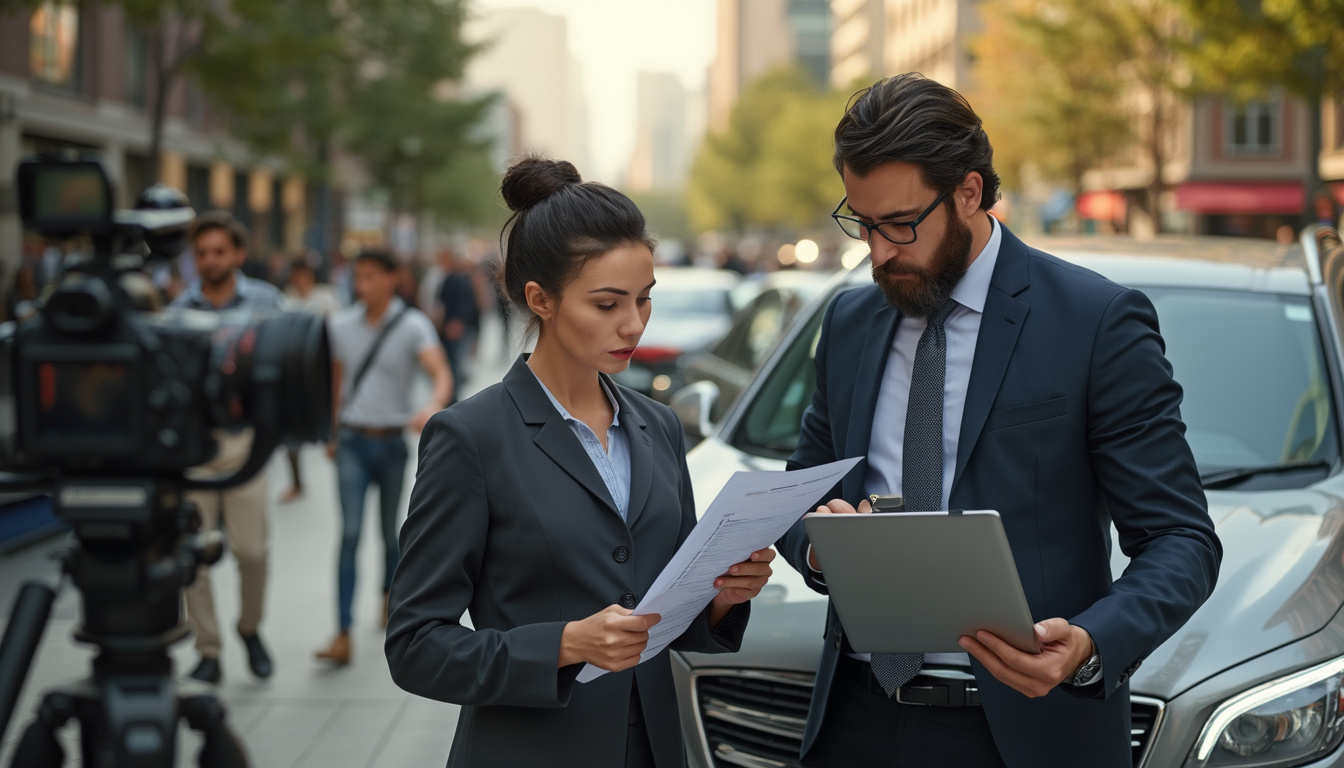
column 911, row 582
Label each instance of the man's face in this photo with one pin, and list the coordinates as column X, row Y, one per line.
column 216, row 257
column 916, row 277
column 373, row 284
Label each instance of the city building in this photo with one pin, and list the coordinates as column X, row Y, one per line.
column 662, row 152
column 76, row 77
column 755, row 36
column 1232, row 169
column 527, row 59
column 857, row 41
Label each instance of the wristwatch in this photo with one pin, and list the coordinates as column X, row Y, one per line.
column 1088, row 673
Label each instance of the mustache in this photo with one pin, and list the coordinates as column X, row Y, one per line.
column 894, row 268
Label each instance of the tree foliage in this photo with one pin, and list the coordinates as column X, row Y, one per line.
column 307, row 80
column 772, row 166
column 1071, row 83
column 1248, row 48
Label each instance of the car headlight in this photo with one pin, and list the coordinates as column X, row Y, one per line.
column 1285, row 722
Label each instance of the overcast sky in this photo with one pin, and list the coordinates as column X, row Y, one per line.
column 616, row 39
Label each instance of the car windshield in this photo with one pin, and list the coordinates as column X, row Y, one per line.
column 685, row 302
column 1257, row 392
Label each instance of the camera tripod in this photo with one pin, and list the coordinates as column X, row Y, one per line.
column 137, row 547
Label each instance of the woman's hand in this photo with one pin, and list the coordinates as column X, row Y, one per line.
column 611, row 639
column 742, row 582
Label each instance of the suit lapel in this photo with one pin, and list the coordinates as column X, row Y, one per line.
column 868, row 379
column 555, row 438
column 1000, row 326
column 641, row 456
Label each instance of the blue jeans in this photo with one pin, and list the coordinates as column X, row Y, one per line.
column 362, row 460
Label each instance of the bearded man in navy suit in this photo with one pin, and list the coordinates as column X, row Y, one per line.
column 979, row 373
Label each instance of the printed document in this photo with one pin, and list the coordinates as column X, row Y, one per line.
column 751, row 512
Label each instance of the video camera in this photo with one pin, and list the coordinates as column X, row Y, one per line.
column 89, row 385
column 107, row 407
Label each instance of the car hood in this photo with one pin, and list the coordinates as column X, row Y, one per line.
column 1281, row 579
column 688, row 333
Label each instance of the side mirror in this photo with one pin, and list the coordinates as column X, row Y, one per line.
column 693, row 403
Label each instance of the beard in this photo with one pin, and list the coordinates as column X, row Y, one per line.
column 917, row 291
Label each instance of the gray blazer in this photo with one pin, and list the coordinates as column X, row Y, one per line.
column 511, row 522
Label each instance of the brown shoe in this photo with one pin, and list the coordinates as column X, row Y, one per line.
column 338, row 652
column 385, row 597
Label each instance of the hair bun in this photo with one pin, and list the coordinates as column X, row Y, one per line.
column 533, row 179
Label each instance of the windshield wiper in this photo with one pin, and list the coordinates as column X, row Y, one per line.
column 1227, row 478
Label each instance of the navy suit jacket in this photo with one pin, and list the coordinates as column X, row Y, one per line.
column 1071, row 422
column 511, row 522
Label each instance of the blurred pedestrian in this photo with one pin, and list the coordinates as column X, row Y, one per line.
column 304, row 294
column 528, row 492
column 458, row 314
column 376, row 346
column 219, row 246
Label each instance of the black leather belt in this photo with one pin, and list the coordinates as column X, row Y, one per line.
column 925, row 690
column 377, row 433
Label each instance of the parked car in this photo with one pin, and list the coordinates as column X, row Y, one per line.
column 1256, row 677
column 727, row 366
column 692, row 309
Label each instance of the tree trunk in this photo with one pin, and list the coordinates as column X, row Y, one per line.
column 1312, row 184
column 159, row 106
column 1158, row 155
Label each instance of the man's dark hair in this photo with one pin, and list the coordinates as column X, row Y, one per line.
column 300, row 264
column 559, row 222
column 221, row 220
column 379, row 256
column 912, row 119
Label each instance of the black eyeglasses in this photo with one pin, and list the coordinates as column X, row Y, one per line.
column 899, row 233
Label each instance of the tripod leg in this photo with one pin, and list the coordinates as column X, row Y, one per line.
column 38, row 747
column 222, row 747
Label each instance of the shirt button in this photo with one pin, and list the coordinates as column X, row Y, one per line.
column 621, row 554
column 628, row 600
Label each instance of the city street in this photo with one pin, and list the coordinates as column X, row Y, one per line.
column 306, row 715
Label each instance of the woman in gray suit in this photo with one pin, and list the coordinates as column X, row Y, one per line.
column 546, row 505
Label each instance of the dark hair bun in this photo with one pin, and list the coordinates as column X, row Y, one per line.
column 533, row 179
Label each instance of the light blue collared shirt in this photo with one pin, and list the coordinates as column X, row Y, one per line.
column 963, row 330
column 613, row 464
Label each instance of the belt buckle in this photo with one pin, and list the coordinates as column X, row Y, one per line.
column 901, row 700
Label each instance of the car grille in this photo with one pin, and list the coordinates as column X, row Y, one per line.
column 754, row 719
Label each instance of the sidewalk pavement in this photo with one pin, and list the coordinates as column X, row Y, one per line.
column 306, row 715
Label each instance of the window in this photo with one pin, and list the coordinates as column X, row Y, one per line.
column 1254, row 128
column 53, row 52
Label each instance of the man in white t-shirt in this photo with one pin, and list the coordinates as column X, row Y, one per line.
column 377, row 344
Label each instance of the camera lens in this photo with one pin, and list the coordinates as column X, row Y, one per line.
column 272, row 372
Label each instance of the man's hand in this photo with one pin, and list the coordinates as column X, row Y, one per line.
column 1064, row 648
column 331, row 447
column 836, row 507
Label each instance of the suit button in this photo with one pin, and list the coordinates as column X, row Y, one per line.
column 620, row 554
column 628, row 600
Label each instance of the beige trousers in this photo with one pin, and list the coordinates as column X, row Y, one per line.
column 243, row 510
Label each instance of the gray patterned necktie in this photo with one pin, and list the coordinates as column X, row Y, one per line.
column 921, row 463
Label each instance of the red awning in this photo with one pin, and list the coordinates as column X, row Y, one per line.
column 1338, row 188
column 1268, row 197
column 1102, row 206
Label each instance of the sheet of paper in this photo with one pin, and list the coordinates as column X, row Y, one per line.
column 751, row 512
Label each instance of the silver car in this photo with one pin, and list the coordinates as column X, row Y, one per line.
column 1256, row 678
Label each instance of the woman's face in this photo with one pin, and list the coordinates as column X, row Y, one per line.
column 599, row 316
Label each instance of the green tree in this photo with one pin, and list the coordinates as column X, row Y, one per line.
column 1251, row 49
column 772, row 165
column 1068, row 84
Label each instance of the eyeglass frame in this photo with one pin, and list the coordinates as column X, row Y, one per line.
column 877, row 227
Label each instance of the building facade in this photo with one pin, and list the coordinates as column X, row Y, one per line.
column 76, row 77
column 756, row 36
